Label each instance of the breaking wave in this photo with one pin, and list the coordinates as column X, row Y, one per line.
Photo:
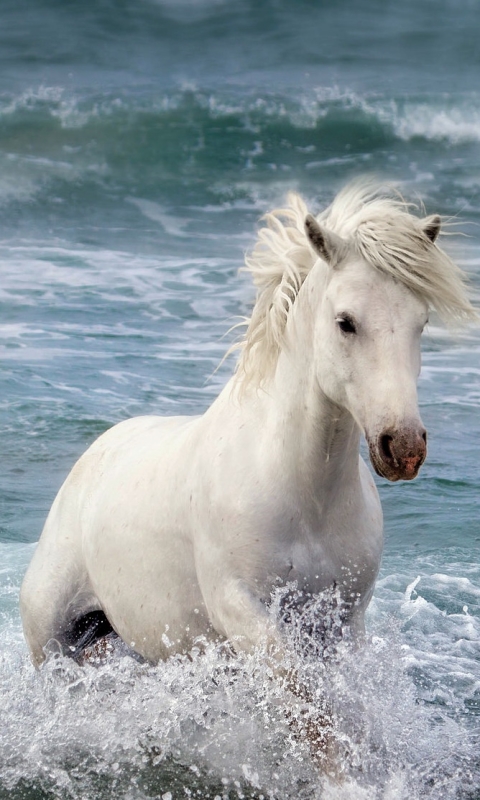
column 146, row 142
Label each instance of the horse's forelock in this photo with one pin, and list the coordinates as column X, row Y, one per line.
column 392, row 239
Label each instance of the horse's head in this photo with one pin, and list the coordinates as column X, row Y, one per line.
column 368, row 343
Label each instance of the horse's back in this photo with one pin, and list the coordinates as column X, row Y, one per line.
column 107, row 496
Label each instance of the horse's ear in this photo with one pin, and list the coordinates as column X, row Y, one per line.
column 330, row 247
column 431, row 227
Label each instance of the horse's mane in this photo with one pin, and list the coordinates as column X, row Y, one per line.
column 379, row 224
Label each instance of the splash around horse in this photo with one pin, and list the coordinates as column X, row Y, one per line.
column 185, row 525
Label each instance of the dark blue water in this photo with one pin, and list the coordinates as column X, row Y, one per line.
column 139, row 144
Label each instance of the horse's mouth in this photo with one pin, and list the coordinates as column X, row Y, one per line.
column 384, row 470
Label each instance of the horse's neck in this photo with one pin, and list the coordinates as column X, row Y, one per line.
column 302, row 439
column 320, row 441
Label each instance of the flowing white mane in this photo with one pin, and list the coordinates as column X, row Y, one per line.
column 380, row 226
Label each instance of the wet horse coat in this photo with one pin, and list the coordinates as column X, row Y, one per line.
column 183, row 526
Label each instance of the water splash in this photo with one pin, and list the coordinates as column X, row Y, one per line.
column 214, row 725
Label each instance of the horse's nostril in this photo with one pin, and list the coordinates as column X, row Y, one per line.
column 424, row 436
column 385, row 445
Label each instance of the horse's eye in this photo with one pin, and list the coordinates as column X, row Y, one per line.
column 346, row 325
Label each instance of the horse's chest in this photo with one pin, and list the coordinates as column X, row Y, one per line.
column 315, row 560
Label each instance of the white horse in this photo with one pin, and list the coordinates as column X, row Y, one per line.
column 171, row 528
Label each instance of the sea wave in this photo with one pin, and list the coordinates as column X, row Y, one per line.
column 438, row 116
column 227, row 145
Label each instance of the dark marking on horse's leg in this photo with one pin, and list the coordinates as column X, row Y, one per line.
column 85, row 631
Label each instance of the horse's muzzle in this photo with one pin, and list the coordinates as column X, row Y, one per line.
column 398, row 454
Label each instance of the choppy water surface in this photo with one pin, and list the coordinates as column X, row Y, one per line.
column 139, row 144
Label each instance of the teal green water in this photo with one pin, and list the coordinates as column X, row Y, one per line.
column 139, row 145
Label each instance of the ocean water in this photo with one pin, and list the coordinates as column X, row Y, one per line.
column 139, row 144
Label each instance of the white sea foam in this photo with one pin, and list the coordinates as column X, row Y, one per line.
column 453, row 124
column 157, row 213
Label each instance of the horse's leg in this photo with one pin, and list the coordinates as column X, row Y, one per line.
column 74, row 623
column 245, row 621
column 56, row 595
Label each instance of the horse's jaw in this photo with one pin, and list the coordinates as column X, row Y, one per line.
column 398, row 453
